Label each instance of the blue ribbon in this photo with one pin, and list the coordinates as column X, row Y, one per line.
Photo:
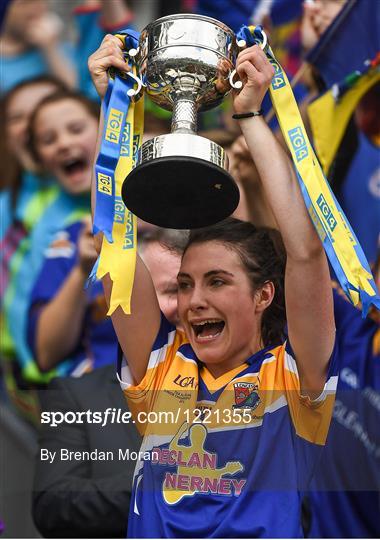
column 115, row 105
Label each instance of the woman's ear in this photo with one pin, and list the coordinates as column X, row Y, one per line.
column 264, row 296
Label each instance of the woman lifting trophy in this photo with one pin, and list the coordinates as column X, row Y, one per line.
column 237, row 450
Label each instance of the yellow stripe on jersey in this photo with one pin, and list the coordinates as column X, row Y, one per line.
column 170, row 387
column 311, row 418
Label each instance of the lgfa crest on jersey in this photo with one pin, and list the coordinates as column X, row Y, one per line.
column 246, row 396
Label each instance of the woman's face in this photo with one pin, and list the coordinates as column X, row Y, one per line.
column 18, row 113
column 65, row 139
column 217, row 306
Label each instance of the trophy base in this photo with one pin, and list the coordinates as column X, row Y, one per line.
column 180, row 192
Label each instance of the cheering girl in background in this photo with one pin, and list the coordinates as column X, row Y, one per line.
column 67, row 326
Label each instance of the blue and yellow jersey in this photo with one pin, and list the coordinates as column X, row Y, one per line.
column 345, row 501
column 97, row 343
column 41, row 211
column 223, row 457
column 360, row 195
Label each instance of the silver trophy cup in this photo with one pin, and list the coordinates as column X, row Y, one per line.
column 181, row 180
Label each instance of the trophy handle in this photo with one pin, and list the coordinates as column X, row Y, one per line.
column 237, row 85
column 134, row 92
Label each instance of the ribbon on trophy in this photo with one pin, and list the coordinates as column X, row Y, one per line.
column 339, row 241
column 122, row 136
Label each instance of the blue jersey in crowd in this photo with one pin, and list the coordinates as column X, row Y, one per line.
column 41, row 209
column 97, row 345
column 360, row 197
column 91, row 31
column 346, row 500
column 27, row 65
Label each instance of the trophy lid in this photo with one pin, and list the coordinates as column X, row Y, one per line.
column 184, row 16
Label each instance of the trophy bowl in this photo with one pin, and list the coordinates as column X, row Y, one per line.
column 181, row 180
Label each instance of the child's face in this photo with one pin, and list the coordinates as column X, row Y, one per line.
column 18, row 113
column 213, row 286
column 65, row 139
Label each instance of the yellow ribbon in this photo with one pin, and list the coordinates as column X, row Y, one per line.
column 328, row 220
column 118, row 259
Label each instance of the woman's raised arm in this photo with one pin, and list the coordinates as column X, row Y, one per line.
column 136, row 332
column 308, row 293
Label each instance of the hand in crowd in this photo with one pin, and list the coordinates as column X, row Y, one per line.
column 115, row 11
column 317, row 17
column 309, row 34
column 109, row 54
column 253, row 204
column 44, row 32
column 242, row 165
column 87, row 254
column 256, row 72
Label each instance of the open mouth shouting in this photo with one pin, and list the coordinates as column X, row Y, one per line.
column 74, row 166
column 75, row 172
column 207, row 330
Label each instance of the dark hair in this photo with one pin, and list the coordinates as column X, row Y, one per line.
column 91, row 107
column 10, row 169
column 263, row 256
column 171, row 239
